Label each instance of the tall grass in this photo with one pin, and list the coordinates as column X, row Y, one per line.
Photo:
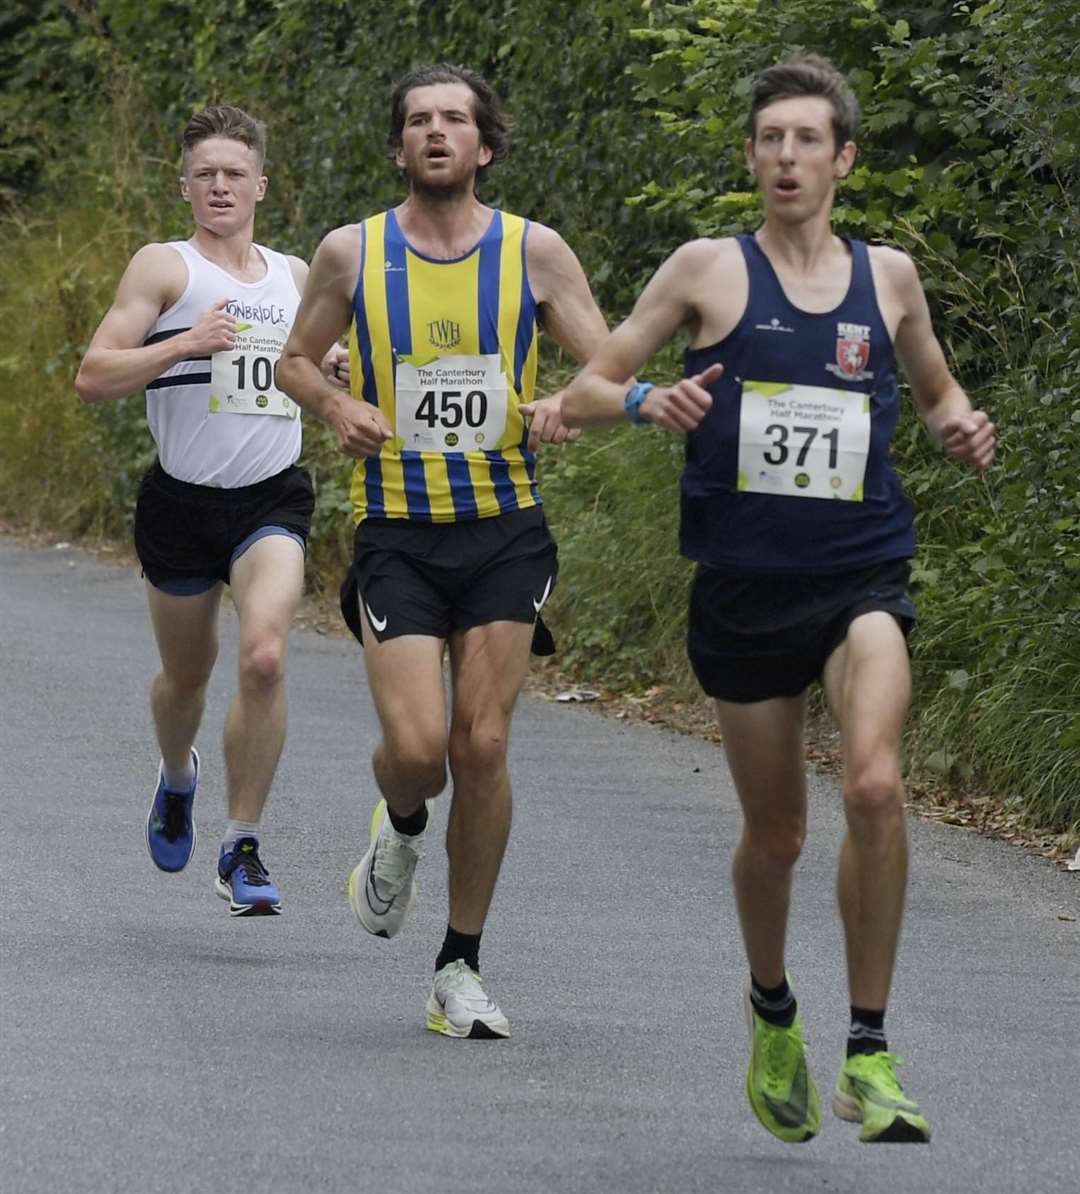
column 64, row 465
column 998, row 662
column 998, row 648
column 620, row 607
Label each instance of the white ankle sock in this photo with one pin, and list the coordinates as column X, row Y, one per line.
column 180, row 780
column 237, row 829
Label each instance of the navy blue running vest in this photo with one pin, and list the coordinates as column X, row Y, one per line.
column 847, row 348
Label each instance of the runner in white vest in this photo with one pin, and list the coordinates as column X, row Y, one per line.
column 199, row 324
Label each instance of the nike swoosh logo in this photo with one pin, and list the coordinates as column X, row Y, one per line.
column 871, row 1094
column 793, row 1112
column 374, row 898
column 539, row 605
column 378, row 624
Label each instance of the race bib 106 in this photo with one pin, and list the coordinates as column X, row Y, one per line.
column 243, row 379
column 450, row 404
column 803, row 441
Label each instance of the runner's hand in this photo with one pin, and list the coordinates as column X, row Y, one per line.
column 215, row 331
column 335, row 366
column 682, row 406
column 969, row 438
column 361, row 428
column 546, row 425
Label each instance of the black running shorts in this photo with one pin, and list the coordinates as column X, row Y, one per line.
column 187, row 537
column 753, row 637
column 433, row 578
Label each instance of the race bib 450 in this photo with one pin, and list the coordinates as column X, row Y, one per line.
column 451, row 404
column 803, row 441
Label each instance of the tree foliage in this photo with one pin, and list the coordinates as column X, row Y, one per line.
column 968, row 160
column 630, row 121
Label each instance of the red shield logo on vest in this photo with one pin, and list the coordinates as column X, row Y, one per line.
column 852, row 356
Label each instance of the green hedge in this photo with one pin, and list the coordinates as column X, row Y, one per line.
column 629, row 140
column 970, row 161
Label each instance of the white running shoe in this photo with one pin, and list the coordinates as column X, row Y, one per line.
column 459, row 1006
column 382, row 890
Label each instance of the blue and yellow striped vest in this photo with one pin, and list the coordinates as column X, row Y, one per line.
column 410, row 306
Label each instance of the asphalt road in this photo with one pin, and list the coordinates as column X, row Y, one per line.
column 148, row 1042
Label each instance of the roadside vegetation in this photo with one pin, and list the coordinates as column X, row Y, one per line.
column 629, row 134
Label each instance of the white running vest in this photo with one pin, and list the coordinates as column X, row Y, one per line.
column 218, row 447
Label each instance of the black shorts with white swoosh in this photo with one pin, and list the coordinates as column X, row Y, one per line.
column 434, row 578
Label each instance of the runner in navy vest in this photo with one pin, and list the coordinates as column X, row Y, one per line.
column 802, row 537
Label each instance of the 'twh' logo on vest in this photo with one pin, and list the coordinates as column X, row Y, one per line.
column 444, row 333
column 852, row 352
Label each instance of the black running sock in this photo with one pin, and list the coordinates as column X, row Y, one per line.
column 411, row 825
column 776, row 1005
column 465, row 946
column 867, row 1033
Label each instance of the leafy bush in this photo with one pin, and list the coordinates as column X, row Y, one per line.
column 971, row 129
column 620, row 606
column 971, row 144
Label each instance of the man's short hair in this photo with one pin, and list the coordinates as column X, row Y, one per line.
column 234, row 124
column 491, row 118
column 811, row 75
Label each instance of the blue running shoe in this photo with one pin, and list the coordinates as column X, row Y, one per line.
column 170, row 831
column 245, row 882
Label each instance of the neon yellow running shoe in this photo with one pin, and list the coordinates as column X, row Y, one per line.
column 778, row 1084
column 869, row 1092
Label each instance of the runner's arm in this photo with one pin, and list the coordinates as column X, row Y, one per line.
column 964, row 433
column 118, row 363
column 597, row 396
column 569, row 315
column 335, row 365
column 298, row 267
column 568, row 311
column 323, row 317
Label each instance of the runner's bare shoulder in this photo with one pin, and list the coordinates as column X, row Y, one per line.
column 704, row 257
column 344, row 240
column 157, row 270
column 706, row 273
column 893, row 270
column 340, row 250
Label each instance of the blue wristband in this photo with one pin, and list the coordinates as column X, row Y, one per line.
column 634, row 398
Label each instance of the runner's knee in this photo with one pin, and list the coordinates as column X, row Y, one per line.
column 873, row 791
column 774, row 850
column 262, row 663
column 186, row 680
column 479, row 748
column 414, row 763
